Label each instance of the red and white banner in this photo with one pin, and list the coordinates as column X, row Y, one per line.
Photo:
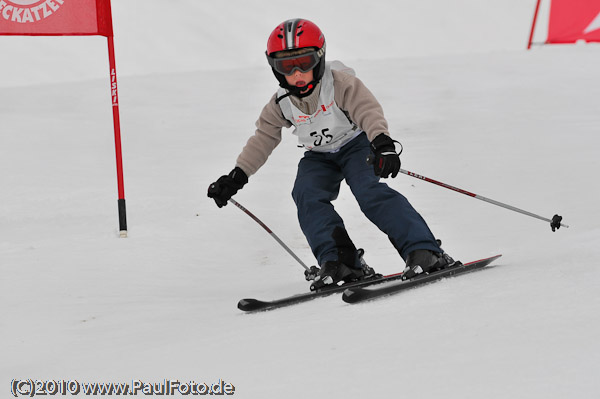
column 55, row 17
column 574, row 20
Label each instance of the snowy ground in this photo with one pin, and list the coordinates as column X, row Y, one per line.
column 80, row 303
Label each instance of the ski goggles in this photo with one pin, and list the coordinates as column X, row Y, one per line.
column 287, row 65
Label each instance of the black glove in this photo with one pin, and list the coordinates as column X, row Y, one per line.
column 385, row 160
column 227, row 186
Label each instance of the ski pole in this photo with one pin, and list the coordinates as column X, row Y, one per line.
column 264, row 226
column 555, row 222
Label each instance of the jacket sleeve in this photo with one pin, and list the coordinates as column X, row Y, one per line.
column 266, row 137
column 353, row 97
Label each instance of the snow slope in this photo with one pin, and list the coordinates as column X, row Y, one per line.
column 80, row 303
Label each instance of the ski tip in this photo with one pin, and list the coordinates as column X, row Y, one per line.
column 485, row 261
column 353, row 295
column 249, row 304
column 492, row 258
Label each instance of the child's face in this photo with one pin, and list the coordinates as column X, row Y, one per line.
column 299, row 78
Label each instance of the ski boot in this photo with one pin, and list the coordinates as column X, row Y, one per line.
column 368, row 271
column 334, row 272
column 425, row 261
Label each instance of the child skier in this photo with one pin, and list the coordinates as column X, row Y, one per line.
column 340, row 124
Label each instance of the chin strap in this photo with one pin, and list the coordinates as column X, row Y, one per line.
column 297, row 91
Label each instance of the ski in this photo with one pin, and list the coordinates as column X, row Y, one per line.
column 252, row 305
column 360, row 294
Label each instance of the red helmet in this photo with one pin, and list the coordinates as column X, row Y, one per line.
column 295, row 34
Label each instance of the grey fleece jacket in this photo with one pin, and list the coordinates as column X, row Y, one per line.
column 350, row 95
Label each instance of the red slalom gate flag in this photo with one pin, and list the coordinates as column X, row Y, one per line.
column 55, row 17
column 574, row 20
column 71, row 18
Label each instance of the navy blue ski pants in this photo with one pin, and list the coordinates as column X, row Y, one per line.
column 318, row 184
